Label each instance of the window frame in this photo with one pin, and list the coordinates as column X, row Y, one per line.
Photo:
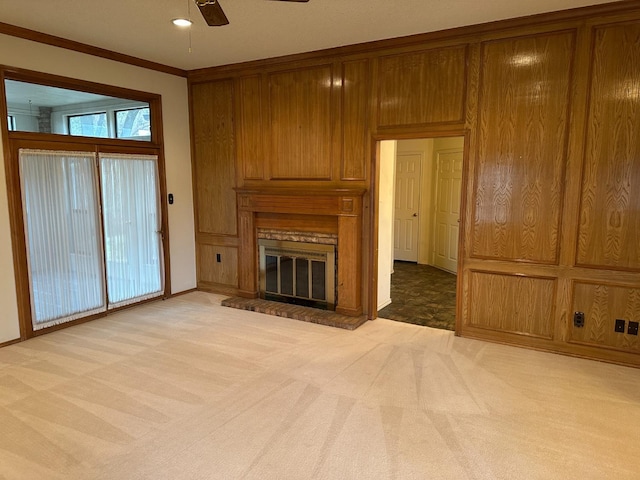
column 152, row 100
column 14, row 140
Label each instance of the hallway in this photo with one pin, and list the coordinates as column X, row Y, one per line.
column 422, row 295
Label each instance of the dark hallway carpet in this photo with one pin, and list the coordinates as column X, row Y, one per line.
column 422, row 295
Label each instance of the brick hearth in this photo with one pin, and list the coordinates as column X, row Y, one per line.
column 306, row 314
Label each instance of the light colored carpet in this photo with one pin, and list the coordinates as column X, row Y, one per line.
column 187, row 389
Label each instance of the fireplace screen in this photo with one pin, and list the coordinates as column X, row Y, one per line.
column 297, row 272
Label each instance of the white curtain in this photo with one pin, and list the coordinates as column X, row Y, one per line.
column 63, row 235
column 132, row 224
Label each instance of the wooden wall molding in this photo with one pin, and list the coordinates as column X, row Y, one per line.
column 60, row 42
column 10, row 342
column 459, row 35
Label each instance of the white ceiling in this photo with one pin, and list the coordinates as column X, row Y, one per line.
column 258, row 28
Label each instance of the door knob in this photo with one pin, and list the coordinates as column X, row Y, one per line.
column 415, row 214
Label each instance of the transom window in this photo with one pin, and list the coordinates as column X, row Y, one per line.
column 47, row 109
column 133, row 122
column 88, row 125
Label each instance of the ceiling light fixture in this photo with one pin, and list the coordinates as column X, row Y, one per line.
column 181, row 22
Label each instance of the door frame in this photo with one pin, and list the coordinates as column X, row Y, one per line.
column 14, row 140
column 372, row 283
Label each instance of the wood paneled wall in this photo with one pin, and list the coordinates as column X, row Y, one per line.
column 214, row 176
column 522, row 147
column 512, row 303
column 609, row 234
column 422, row 88
column 301, row 121
column 356, row 97
column 550, row 109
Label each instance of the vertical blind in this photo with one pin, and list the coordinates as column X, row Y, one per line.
column 63, row 235
column 79, row 265
column 130, row 200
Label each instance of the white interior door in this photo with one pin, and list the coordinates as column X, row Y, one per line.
column 407, row 201
column 447, row 221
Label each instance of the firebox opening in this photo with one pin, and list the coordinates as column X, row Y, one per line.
column 298, row 272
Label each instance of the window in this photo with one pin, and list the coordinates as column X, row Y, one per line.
column 89, row 125
column 134, row 122
column 62, row 111
column 11, row 122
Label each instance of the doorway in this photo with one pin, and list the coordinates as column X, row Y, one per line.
column 91, row 225
column 419, row 192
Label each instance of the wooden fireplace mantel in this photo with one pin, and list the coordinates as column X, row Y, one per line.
column 305, row 209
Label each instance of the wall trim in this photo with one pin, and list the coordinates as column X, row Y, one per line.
column 462, row 35
column 34, row 36
column 10, row 342
column 578, row 14
column 183, row 292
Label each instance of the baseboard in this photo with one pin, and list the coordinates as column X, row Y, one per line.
column 247, row 294
column 184, row 292
column 384, row 304
column 10, row 342
column 218, row 288
column 350, row 312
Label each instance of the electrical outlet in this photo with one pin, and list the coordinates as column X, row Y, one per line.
column 578, row 319
column 633, row 328
column 620, row 324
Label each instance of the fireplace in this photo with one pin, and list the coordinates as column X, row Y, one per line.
column 302, row 273
column 307, row 212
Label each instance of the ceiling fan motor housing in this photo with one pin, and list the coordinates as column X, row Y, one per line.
column 214, row 15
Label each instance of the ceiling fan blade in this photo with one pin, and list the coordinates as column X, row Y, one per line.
column 212, row 12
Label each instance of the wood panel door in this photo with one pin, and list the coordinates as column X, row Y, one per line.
column 407, row 202
column 447, row 221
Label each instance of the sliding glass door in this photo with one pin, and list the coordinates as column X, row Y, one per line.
column 131, row 216
column 81, row 262
column 63, row 235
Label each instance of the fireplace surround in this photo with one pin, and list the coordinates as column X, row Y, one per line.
column 331, row 212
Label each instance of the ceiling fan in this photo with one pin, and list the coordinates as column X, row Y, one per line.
column 213, row 14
